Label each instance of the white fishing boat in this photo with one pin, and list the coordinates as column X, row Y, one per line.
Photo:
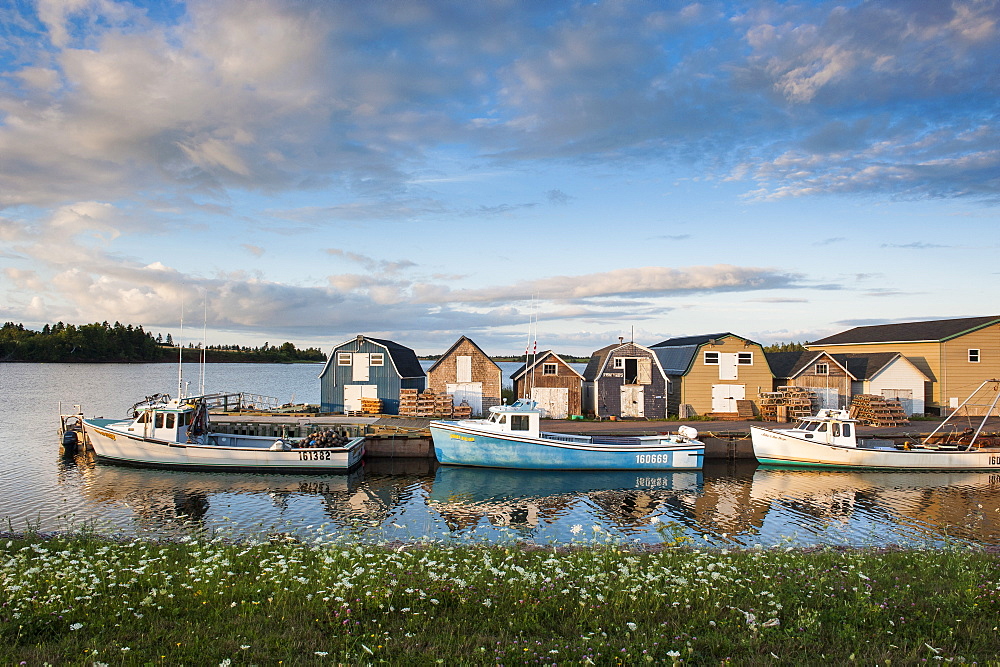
column 830, row 439
column 176, row 433
column 511, row 438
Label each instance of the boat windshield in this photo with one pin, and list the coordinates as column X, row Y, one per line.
column 809, row 425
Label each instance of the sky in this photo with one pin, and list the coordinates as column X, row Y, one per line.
column 306, row 171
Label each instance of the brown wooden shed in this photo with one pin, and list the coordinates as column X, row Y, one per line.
column 468, row 374
column 551, row 382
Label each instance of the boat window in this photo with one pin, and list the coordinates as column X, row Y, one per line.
column 811, row 426
column 143, row 418
column 802, row 426
column 835, row 429
column 503, row 419
column 822, row 428
column 159, row 420
column 847, row 430
column 170, row 420
column 519, row 422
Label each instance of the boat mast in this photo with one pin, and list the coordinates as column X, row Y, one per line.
column 180, row 356
column 204, row 345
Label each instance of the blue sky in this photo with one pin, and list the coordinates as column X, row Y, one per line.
column 307, row 171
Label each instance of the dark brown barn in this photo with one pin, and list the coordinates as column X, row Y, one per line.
column 552, row 383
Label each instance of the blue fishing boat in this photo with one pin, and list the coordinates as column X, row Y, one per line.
column 511, row 438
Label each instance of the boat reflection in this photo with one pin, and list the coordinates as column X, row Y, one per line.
column 524, row 499
column 165, row 499
column 932, row 504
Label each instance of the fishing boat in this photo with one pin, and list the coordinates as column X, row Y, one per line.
column 510, row 438
column 176, row 433
column 830, row 439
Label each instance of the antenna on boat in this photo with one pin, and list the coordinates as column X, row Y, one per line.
column 180, row 355
column 204, row 346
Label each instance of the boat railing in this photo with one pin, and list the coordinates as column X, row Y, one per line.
column 240, row 402
column 565, row 437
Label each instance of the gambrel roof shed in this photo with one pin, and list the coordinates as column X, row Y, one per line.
column 909, row 332
column 676, row 355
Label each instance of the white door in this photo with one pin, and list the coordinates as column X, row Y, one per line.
column 728, row 367
column 827, row 397
column 554, row 400
column 353, row 393
column 470, row 392
column 359, row 367
column 463, row 369
column 724, row 396
column 632, row 401
column 904, row 396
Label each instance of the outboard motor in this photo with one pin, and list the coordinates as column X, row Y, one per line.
column 70, row 442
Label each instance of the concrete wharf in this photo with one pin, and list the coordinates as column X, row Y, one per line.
column 390, row 436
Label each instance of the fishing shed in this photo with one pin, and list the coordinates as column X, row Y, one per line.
column 469, row 375
column 955, row 354
column 369, row 368
column 548, row 380
column 625, row 380
column 714, row 374
column 819, row 373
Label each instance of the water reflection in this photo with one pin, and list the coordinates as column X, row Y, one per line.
column 527, row 499
column 412, row 499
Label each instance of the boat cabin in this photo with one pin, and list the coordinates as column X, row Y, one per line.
column 172, row 422
column 520, row 418
column 830, row 427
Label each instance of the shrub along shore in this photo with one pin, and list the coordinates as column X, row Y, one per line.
column 82, row 599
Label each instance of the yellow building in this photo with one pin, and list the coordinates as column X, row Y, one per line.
column 956, row 355
column 711, row 372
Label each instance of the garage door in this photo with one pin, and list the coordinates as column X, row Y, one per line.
column 470, row 392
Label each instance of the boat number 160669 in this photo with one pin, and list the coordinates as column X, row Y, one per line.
column 652, row 458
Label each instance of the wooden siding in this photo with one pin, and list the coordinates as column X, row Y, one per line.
column 384, row 377
column 836, row 380
column 445, row 372
column 696, row 385
column 608, row 386
column 565, row 378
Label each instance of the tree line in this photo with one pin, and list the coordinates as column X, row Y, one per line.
column 103, row 342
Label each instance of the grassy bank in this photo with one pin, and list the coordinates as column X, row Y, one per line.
column 83, row 600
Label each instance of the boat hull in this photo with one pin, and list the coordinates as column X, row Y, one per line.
column 236, row 453
column 780, row 449
column 455, row 444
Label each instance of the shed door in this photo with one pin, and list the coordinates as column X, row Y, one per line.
column 554, row 400
column 353, row 393
column 724, row 396
column 463, row 370
column 359, row 367
column 632, row 401
column 470, row 392
column 827, row 397
column 904, row 396
column 728, row 369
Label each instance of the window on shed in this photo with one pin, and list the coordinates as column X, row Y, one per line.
column 619, row 362
column 549, row 369
column 343, row 358
column 822, row 369
column 974, row 356
column 744, row 358
column 711, row 358
column 377, row 359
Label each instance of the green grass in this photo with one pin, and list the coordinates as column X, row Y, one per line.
column 80, row 599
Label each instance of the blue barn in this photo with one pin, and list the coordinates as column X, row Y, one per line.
column 369, row 368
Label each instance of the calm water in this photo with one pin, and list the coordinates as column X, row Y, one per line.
column 724, row 504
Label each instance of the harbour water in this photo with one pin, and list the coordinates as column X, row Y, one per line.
column 727, row 504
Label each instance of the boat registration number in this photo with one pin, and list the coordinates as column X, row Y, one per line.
column 995, row 460
column 652, row 458
column 306, row 455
